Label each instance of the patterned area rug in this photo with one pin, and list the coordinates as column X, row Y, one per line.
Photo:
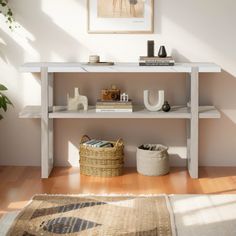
column 102, row 216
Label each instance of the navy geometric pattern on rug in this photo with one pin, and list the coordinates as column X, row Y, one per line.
column 64, row 208
column 67, row 225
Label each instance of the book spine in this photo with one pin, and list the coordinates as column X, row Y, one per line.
column 156, row 58
column 113, row 104
column 113, row 107
column 156, row 64
column 101, row 144
column 89, row 141
column 108, row 145
column 94, row 143
column 98, row 143
column 114, row 110
column 157, row 61
column 91, row 144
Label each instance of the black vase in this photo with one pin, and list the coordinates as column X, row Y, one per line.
column 166, row 107
column 162, row 52
column 150, row 48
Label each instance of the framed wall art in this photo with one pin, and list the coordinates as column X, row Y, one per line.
column 120, row 16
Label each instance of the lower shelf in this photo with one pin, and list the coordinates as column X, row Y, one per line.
column 31, row 112
column 177, row 112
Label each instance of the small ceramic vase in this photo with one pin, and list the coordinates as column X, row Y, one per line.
column 162, row 52
column 166, row 107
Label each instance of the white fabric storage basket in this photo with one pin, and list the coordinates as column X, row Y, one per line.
column 153, row 163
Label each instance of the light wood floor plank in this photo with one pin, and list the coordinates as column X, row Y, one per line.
column 19, row 184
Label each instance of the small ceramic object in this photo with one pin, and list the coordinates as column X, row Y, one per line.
column 94, row 59
column 75, row 103
column 158, row 105
column 166, row 107
column 162, row 52
column 124, row 97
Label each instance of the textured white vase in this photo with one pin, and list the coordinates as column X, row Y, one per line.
column 158, row 105
column 75, row 103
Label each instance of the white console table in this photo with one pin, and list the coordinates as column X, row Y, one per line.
column 47, row 114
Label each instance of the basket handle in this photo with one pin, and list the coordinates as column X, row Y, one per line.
column 84, row 138
column 119, row 141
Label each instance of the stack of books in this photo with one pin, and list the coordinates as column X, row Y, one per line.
column 98, row 143
column 114, row 106
column 156, row 61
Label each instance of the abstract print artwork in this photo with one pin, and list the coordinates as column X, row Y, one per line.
column 120, row 16
column 121, row 9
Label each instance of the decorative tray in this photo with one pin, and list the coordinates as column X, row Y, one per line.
column 101, row 63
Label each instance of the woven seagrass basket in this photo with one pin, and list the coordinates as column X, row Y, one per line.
column 102, row 162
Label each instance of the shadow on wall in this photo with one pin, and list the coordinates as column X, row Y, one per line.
column 217, row 137
column 210, row 27
column 178, row 56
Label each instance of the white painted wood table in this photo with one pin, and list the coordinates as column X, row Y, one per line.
column 46, row 114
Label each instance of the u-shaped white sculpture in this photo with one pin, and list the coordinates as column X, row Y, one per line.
column 158, row 106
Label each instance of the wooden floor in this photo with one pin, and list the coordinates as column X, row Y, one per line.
column 19, row 184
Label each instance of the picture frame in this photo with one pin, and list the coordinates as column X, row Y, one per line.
column 120, row 16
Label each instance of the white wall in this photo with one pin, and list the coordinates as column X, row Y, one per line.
column 55, row 30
